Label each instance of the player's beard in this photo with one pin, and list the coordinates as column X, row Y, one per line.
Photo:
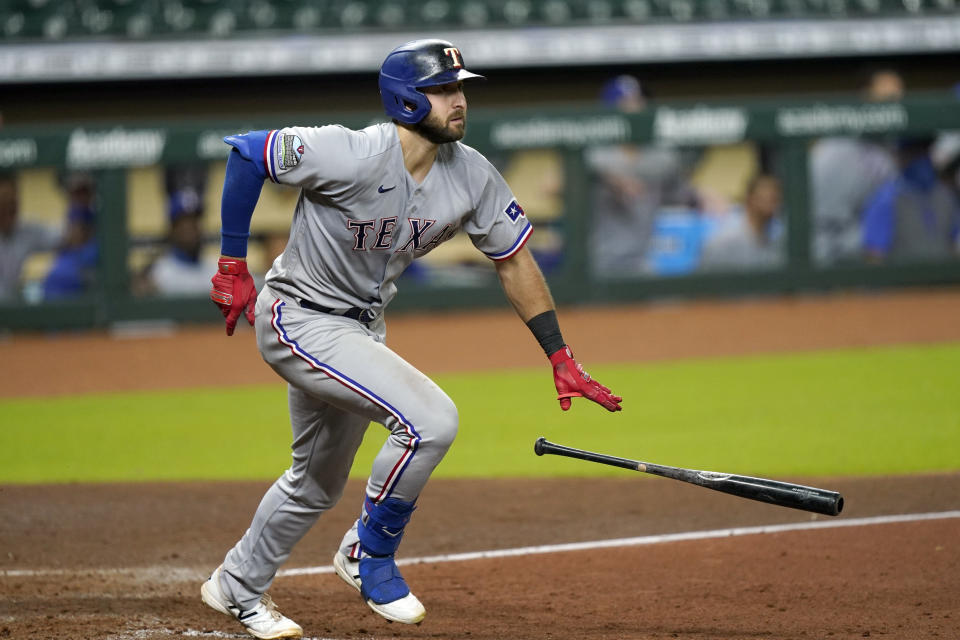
column 441, row 133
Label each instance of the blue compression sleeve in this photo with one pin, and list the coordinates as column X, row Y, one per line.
column 241, row 191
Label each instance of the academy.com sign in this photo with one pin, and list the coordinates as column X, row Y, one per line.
column 549, row 132
column 823, row 119
column 20, row 151
column 115, row 148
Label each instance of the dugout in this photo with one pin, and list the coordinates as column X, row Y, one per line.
column 545, row 154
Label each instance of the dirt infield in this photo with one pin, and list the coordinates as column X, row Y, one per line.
column 125, row 360
column 124, row 562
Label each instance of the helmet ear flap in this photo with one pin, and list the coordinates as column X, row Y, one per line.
column 405, row 104
column 409, row 107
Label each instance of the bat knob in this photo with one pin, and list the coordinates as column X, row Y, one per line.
column 538, row 446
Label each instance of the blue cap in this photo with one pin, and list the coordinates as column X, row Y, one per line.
column 616, row 89
column 184, row 202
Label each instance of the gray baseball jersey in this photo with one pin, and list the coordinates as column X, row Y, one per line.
column 360, row 221
column 361, row 218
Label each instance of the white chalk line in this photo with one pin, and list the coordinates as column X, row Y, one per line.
column 184, row 574
column 652, row 539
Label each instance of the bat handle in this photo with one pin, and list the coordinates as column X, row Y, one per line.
column 543, row 447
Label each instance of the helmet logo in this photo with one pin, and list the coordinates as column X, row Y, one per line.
column 454, row 54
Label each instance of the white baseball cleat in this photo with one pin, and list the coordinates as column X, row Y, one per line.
column 407, row 610
column 263, row 621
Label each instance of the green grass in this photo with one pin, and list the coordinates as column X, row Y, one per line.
column 849, row 412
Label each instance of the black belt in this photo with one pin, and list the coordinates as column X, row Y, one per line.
column 354, row 313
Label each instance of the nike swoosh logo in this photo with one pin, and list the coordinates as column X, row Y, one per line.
column 390, row 533
column 382, row 190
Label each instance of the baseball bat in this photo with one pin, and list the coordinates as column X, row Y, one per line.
column 784, row 494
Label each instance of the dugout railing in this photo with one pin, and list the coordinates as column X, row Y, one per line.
column 780, row 132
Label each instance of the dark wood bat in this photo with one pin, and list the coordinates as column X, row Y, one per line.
column 784, row 494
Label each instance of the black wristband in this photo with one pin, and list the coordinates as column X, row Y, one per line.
column 546, row 330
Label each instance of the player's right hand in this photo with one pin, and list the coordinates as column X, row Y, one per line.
column 573, row 382
column 233, row 291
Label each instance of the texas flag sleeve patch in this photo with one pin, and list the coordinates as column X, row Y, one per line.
column 514, row 211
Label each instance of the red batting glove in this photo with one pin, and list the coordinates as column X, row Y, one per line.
column 233, row 291
column 573, row 382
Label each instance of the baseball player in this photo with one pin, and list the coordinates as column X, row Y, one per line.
column 371, row 201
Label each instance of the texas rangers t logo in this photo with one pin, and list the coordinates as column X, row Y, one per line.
column 454, row 54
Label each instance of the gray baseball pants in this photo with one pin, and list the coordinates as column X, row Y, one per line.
column 341, row 376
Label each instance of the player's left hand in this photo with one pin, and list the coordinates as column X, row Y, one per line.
column 233, row 291
column 573, row 382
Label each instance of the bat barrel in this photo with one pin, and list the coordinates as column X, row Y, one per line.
column 784, row 494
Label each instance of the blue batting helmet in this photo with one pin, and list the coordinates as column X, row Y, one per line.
column 412, row 66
